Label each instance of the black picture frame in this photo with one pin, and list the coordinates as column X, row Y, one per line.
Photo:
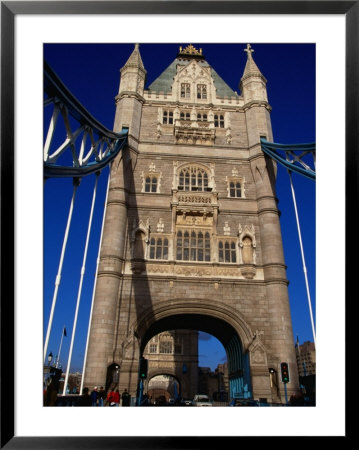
column 9, row 9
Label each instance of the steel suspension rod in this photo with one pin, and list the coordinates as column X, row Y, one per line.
column 303, row 258
column 95, row 282
column 80, row 285
column 76, row 183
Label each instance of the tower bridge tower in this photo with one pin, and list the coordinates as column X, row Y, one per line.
column 192, row 238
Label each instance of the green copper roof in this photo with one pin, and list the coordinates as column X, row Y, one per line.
column 164, row 82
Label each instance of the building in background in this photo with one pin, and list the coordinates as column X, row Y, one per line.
column 306, row 360
column 172, row 364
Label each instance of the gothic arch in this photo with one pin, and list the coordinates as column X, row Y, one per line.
column 208, row 169
column 163, row 371
column 221, row 321
column 183, row 307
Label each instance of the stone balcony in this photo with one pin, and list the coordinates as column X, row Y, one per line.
column 194, row 132
column 192, row 202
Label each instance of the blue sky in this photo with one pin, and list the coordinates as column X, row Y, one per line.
column 92, row 73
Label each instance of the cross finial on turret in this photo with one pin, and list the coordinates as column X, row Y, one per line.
column 249, row 50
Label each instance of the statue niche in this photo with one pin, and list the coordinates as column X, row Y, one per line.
column 247, row 250
column 139, row 241
column 247, row 244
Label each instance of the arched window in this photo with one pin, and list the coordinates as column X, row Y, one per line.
column 185, row 90
column 193, row 178
column 201, row 117
column 201, row 91
column 185, row 116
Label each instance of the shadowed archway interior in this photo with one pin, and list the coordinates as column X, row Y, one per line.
column 239, row 377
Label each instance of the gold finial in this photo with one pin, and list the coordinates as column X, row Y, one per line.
column 190, row 50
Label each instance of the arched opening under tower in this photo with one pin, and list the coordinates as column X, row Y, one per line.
column 163, row 388
column 239, row 385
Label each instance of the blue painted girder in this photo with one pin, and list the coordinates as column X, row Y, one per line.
column 273, row 150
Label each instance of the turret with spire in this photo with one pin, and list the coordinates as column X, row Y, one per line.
column 133, row 73
column 129, row 100
column 253, row 83
column 254, row 92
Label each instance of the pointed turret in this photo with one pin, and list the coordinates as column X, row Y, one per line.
column 133, row 73
column 254, row 92
column 253, row 83
column 135, row 59
column 130, row 99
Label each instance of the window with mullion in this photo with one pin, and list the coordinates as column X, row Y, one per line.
column 193, row 246
column 227, row 252
column 235, row 189
column 201, row 91
column 167, row 117
column 158, row 248
column 192, row 179
column 185, row 90
column 151, row 184
column 219, row 121
column 165, row 347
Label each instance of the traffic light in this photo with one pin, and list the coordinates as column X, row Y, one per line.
column 285, row 372
column 143, row 368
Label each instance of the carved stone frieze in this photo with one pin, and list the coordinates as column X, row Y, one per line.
column 193, row 271
column 194, row 220
column 194, row 198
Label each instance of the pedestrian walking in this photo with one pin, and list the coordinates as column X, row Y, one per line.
column 110, row 398
column 116, row 397
column 101, row 396
column 126, row 398
column 94, row 395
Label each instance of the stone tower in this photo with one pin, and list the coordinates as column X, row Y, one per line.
column 192, row 238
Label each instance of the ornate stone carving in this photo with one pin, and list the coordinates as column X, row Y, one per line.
column 226, row 229
column 129, row 347
column 248, row 271
column 194, row 220
column 140, row 225
column 160, row 226
column 193, row 271
column 257, row 351
column 247, row 244
column 194, row 198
